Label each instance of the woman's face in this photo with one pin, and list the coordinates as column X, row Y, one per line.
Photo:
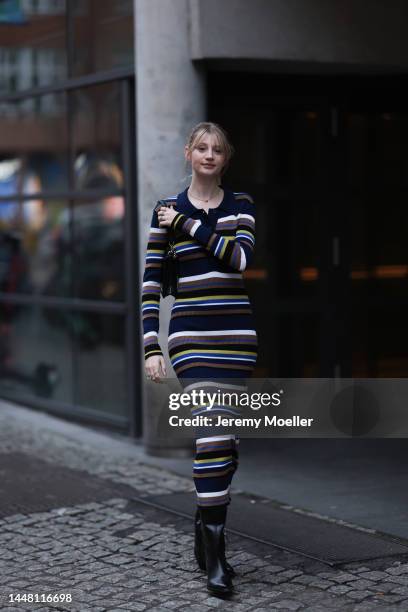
column 207, row 157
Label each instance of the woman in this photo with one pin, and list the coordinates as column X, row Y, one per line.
column 211, row 332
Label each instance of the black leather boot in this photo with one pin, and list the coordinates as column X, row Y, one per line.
column 199, row 548
column 212, row 525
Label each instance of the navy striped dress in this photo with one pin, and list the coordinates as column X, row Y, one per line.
column 212, row 333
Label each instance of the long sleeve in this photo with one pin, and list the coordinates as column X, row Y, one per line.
column 156, row 247
column 236, row 251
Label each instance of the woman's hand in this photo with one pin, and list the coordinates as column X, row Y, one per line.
column 166, row 215
column 154, row 367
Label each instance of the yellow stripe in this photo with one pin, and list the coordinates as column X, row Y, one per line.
column 186, row 242
column 213, row 351
column 224, row 246
column 155, row 351
column 212, row 460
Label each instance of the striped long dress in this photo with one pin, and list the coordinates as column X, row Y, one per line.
column 212, row 337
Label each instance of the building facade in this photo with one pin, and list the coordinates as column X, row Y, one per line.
column 97, row 101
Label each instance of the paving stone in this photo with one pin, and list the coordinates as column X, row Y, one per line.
column 319, row 583
column 304, row 579
column 290, row 574
column 385, row 587
column 358, row 595
column 111, row 557
column 288, row 604
column 400, row 591
column 363, row 584
column 375, row 575
column 369, row 606
column 339, row 589
column 326, row 575
column 387, row 599
column 400, row 579
column 344, row 577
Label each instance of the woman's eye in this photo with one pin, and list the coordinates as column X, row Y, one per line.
column 218, row 151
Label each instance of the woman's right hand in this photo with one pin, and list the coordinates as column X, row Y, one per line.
column 155, row 367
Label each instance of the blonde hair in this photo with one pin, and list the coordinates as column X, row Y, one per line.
column 209, row 127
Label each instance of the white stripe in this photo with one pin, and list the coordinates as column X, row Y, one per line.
column 236, row 217
column 210, row 275
column 205, row 384
column 246, row 216
column 158, row 230
column 215, row 438
column 195, row 227
column 149, row 334
column 219, row 245
column 229, row 217
column 213, row 493
column 188, row 248
column 243, row 358
column 215, row 332
column 241, row 236
column 243, row 259
column 212, row 465
column 151, row 283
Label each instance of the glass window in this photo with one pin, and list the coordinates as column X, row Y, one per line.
column 35, row 353
column 99, row 259
column 33, row 145
column 100, row 361
column 103, row 35
column 96, row 137
column 35, row 248
column 36, row 357
column 33, row 44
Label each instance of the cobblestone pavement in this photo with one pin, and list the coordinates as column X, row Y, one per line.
column 122, row 555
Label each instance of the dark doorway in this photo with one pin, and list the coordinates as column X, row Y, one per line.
column 326, row 160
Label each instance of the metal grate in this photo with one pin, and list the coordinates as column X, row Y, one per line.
column 28, row 484
column 264, row 520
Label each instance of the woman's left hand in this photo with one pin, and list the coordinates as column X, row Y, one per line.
column 166, row 215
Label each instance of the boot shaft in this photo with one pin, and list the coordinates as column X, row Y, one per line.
column 213, row 525
column 214, row 515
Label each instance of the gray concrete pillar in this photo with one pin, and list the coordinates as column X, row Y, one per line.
column 170, row 100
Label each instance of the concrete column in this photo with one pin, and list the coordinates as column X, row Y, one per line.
column 170, row 100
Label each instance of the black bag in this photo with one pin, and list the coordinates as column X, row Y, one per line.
column 168, row 285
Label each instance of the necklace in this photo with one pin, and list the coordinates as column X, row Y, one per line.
column 202, row 199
